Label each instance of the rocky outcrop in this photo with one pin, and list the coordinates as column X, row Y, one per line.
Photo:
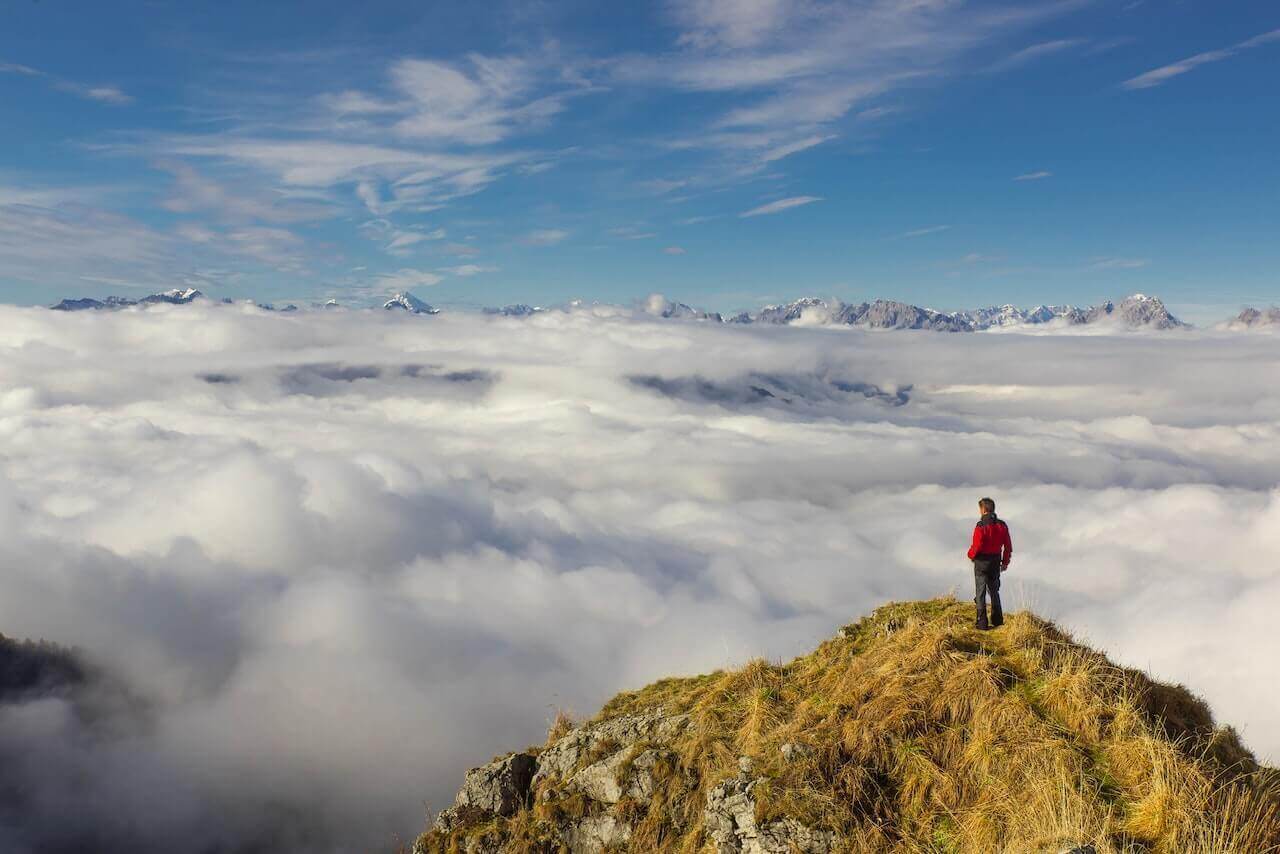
column 596, row 766
column 600, row 768
column 730, row 819
column 595, row 834
column 569, row 752
column 497, row 789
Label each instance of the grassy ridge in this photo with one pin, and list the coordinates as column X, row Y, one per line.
column 912, row 732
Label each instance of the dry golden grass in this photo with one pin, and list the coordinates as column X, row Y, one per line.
column 926, row 735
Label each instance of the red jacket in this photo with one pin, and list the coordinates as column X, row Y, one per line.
column 991, row 539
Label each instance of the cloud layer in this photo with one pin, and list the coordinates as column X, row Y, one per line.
column 341, row 556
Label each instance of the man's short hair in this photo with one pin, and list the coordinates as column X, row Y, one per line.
column 988, row 505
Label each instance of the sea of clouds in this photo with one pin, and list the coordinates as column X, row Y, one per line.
column 336, row 558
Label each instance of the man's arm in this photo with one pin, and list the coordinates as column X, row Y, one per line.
column 1008, row 548
column 977, row 541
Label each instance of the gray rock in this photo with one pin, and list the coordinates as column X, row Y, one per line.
column 730, row 820
column 595, row 834
column 608, row 780
column 563, row 758
column 497, row 789
column 792, row 750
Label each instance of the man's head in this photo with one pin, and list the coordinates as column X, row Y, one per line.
column 986, row 505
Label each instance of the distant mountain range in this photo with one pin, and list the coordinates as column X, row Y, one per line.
column 1138, row 311
column 175, row 296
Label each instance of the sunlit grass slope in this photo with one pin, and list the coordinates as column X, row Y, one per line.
column 910, row 731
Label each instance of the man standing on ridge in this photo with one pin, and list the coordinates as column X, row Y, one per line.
column 990, row 552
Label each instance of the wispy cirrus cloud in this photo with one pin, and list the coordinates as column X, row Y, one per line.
column 468, row 270
column 796, row 69
column 1034, row 176
column 15, row 68
column 1119, row 263
column 921, row 232
column 1157, row 76
column 477, row 101
column 407, row 278
column 544, row 237
column 631, row 232
column 103, row 94
column 780, row 205
column 1034, row 52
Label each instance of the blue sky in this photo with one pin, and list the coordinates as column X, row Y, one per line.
column 724, row 153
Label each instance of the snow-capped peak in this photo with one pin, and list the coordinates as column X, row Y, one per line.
column 408, row 302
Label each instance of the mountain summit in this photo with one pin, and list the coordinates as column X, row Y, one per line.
column 409, row 302
column 909, row 731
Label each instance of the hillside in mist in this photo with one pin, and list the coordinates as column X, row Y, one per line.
column 909, row 731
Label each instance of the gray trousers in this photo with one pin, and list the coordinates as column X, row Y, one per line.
column 986, row 580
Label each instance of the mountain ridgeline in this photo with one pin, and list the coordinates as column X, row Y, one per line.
column 909, row 731
column 1138, row 311
column 1134, row 312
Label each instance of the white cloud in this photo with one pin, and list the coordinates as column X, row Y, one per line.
column 1036, row 51
column 1160, row 75
column 1119, row 263
column 544, row 237
column 401, row 242
column 797, row 68
column 15, row 68
column 406, row 279
column 781, row 205
column 631, row 232
column 795, row 147
column 1034, row 176
column 462, row 250
column 106, row 94
column 673, row 250
column 378, row 551
column 476, row 101
column 466, row 270
column 734, row 23
column 194, row 192
column 921, row 232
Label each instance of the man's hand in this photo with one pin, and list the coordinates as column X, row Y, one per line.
column 1003, row 567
